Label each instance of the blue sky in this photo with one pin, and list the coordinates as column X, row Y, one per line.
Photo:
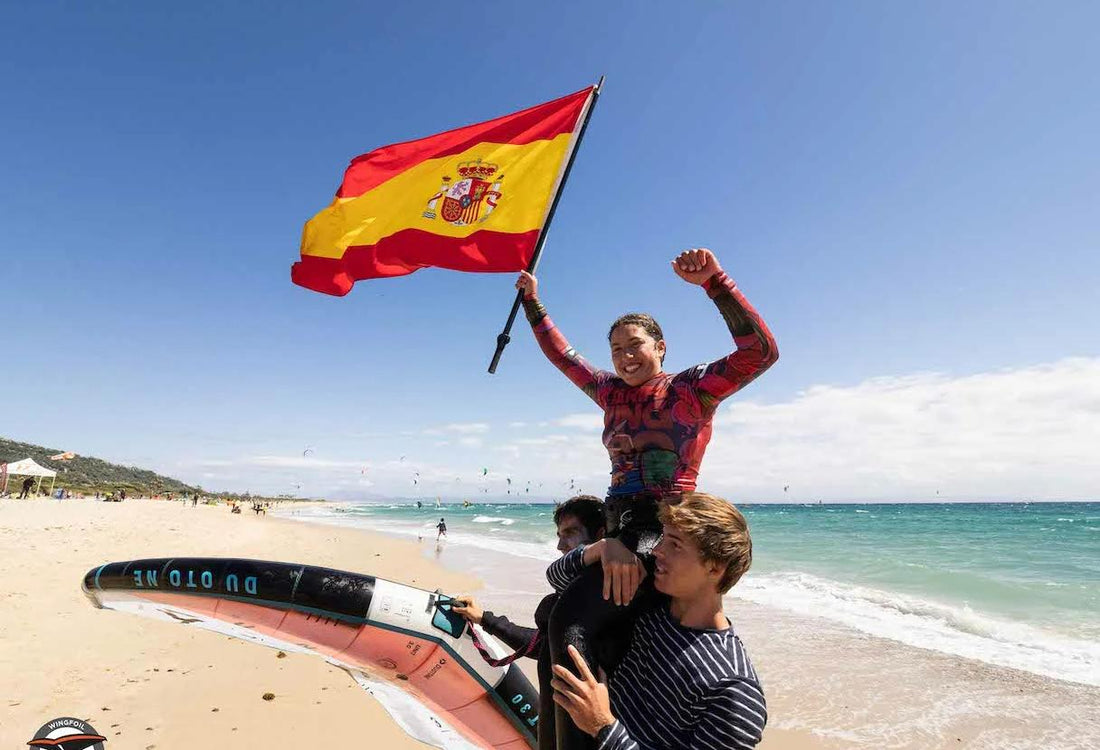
column 904, row 191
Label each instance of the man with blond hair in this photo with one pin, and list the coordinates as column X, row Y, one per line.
column 686, row 681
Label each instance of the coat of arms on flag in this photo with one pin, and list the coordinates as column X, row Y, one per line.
column 463, row 200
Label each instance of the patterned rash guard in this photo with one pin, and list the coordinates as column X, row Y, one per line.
column 656, row 433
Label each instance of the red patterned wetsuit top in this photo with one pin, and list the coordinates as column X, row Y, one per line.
column 656, row 433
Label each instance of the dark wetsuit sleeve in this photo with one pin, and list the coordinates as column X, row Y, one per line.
column 756, row 349
column 516, row 636
column 566, row 569
column 557, row 349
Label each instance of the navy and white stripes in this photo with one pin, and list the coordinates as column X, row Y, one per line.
column 566, row 568
column 678, row 687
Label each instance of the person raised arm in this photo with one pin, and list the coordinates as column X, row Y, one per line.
column 756, row 348
column 554, row 345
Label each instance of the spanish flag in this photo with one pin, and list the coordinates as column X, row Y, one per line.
column 471, row 199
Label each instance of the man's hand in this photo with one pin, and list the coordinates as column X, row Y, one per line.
column 529, row 284
column 467, row 607
column 584, row 698
column 696, row 266
column 623, row 571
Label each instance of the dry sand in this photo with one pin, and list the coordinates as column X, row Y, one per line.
column 147, row 684
column 152, row 684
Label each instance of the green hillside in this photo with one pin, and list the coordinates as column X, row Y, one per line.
column 90, row 475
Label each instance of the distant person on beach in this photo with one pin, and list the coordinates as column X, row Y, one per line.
column 686, row 680
column 28, row 483
column 656, row 429
column 441, row 529
column 579, row 520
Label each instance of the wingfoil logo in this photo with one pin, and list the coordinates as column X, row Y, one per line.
column 67, row 733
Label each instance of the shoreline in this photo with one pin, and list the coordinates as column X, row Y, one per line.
column 886, row 694
column 163, row 685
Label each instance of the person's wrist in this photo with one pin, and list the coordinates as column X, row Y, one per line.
column 593, row 552
column 601, row 733
column 711, row 280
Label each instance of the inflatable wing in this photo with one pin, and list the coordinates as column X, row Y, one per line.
column 403, row 644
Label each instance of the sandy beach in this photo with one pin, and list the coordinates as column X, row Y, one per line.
column 152, row 684
column 157, row 685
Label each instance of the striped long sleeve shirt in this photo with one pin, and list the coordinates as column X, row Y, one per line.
column 678, row 687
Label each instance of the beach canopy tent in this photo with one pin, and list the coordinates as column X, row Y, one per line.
column 28, row 467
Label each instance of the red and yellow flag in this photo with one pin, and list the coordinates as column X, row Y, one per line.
column 470, row 199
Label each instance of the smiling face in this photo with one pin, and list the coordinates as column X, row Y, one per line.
column 681, row 570
column 635, row 354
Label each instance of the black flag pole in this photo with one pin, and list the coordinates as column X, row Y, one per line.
column 505, row 337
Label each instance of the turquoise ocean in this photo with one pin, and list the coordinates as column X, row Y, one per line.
column 1011, row 584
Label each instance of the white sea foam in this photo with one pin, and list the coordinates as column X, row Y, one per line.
column 908, row 619
column 502, row 520
column 929, row 624
column 408, row 528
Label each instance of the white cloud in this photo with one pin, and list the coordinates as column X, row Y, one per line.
column 459, row 428
column 1030, row 432
column 545, row 440
column 300, row 462
column 587, row 421
column 1023, row 433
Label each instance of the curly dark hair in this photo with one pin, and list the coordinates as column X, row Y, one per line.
column 588, row 509
column 645, row 320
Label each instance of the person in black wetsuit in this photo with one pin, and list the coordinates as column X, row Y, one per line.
column 580, row 521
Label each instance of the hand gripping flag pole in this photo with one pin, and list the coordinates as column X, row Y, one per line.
column 505, row 337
